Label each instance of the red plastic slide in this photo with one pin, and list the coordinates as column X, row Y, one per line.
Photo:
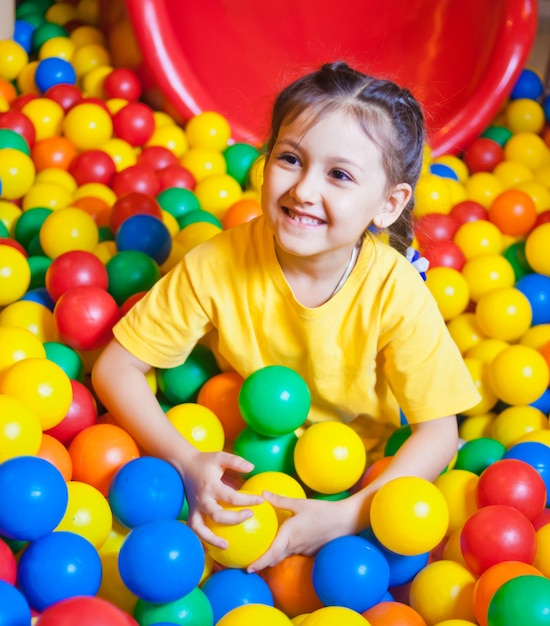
column 459, row 57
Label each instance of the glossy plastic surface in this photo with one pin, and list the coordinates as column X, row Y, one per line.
column 459, row 57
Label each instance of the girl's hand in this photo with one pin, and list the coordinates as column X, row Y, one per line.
column 312, row 524
column 205, row 490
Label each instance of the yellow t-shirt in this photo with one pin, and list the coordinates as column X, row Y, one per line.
column 379, row 344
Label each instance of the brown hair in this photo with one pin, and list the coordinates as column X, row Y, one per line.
column 388, row 113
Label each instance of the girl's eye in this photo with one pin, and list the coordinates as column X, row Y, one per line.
column 291, row 159
column 340, row 175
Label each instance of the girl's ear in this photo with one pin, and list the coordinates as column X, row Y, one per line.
column 394, row 205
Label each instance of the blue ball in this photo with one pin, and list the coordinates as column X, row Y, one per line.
column 443, row 171
column 535, row 454
column 58, row 566
column 536, row 288
column 543, row 402
column 230, row 588
column 546, row 108
column 22, row 34
column 146, row 489
column 161, row 561
column 54, row 71
column 40, row 295
column 33, row 496
column 14, row 608
column 528, row 85
column 145, row 233
column 352, row 572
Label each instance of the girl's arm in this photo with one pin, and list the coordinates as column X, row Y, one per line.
column 119, row 380
column 426, row 453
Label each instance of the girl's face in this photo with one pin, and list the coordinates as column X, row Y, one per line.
column 324, row 184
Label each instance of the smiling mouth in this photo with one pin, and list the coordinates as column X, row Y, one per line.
column 308, row 220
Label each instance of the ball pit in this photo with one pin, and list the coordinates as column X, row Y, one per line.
column 86, row 169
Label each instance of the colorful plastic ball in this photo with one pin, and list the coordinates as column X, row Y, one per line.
column 54, row 71
column 147, row 234
column 8, row 564
column 468, row 211
column 528, row 148
column 515, row 421
column 497, row 533
column 409, row 515
column 15, row 274
column 161, row 560
column 85, row 611
column 56, row 453
column 486, row 273
column 504, row 313
column 93, row 166
column 68, row 229
column 84, row 316
column 434, row 227
column 130, row 272
column 14, row 58
column 253, row 614
column 134, row 123
column 492, row 579
column 133, row 203
column 536, row 249
column 527, row 85
column 328, row 615
column 230, row 588
column 267, row 454
column 476, row 455
column 217, row 193
column 274, row 400
column 11, row 139
column 193, row 608
column 248, row 540
column 198, row 425
column 450, row 290
column 34, row 496
column 514, row 212
column 519, row 374
column 57, row 566
column 146, row 489
column 278, row 483
column 479, row 237
column 444, row 254
column 535, row 454
column 459, row 490
column 522, row 601
column 443, row 590
column 136, row 178
column 483, row 154
column 81, row 414
column 390, row 613
column 14, row 608
column 352, row 572
column 75, row 268
column 514, row 483
column 122, row 82
column 220, row 394
column 87, row 126
column 20, row 428
column 208, row 130
column 17, row 172
column 97, row 453
column 515, row 254
column 329, row 457
column 239, row 158
column 524, row 115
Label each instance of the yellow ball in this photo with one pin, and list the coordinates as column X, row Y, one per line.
column 536, row 249
column 443, row 590
column 88, row 514
column 26, row 79
column 9, row 214
column 480, row 376
column 254, row 615
column 504, row 314
column 195, row 234
column 278, row 483
column 537, row 336
column 476, row 426
column 542, row 557
column 15, row 275
column 409, row 515
column 17, row 173
column 256, row 174
column 527, row 148
column 61, row 13
column 20, row 428
column 329, row 457
column 17, row 344
column 59, row 177
column 456, row 164
column 84, row 35
column 432, row 195
column 32, row 316
column 465, row 331
column 486, row 273
column 171, row 137
column 539, row 194
column 199, row 425
column 208, row 130
column 48, row 195
column 96, row 190
column 88, row 126
column 479, row 237
column 43, row 385
column 525, row 115
column 519, row 375
column 483, row 187
column 332, row 615
column 89, row 57
column 248, row 540
column 59, row 47
column 46, row 116
column 13, row 59
column 487, row 349
column 512, row 173
column 217, row 193
column 93, row 81
column 459, row 490
column 449, row 289
column 122, row 153
column 68, row 229
column 515, row 421
column 204, row 162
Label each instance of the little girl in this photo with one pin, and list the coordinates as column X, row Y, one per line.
column 309, row 286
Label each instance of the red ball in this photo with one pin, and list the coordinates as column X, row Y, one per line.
column 76, row 268
column 93, row 166
column 129, row 302
column 542, row 519
column 84, row 611
column 8, row 241
column 133, row 203
column 66, row 95
column 434, row 227
column 134, row 123
column 18, row 122
column 81, row 414
column 514, row 483
column 483, row 155
column 19, row 102
column 444, row 254
column 542, row 218
column 157, row 157
column 497, row 533
column 176, row 176
column 101, row 103
column 8, row 564
column 139, row 178
column 468, row 211
column 122, row 83
column 85, row 316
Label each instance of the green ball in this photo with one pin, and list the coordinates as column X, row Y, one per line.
column 178, row 201
column 11, row 139
column 274, row 400
column 38, row 266
column 515, row 255
column 521, row 601
column 131, row 271
column 194, row 609
column 267, row 454
column 191, row 217
column 476, row 455
column 500, row 134
column 239, row 159
column 46, row 31
column 28, row 225
column 4, row 232
column 397, row 439
column 68, row 359
column 182, row 383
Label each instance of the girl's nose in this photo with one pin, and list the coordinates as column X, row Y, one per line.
column 306, row 189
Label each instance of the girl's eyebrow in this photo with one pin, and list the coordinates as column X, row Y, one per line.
column 336, row 158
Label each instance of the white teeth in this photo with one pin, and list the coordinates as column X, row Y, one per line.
column 302, row 219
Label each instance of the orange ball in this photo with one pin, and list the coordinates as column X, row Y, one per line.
column 514, row 212
column 52, row 152
column 393, row 614
column 96, row 208
column 220, row 394
column 291, row 584
column 56, row 453
column 375, row 470
column 242, row 211
column 97, row 452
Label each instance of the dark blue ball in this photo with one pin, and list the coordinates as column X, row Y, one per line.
column 54, row 71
